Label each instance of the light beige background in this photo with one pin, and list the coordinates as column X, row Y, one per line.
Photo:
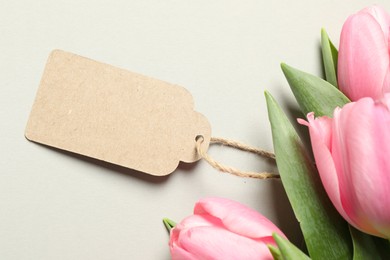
column 54, row 205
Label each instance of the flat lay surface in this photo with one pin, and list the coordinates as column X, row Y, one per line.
column 59, row 205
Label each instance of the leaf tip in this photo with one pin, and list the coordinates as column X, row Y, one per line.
column 169, row 224
column 268, row 97
column 324, row 37
column 275, row 252
column 286, row 68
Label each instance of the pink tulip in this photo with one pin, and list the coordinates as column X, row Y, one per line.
column 352, row 155
column 363, row 61
column 222, row 229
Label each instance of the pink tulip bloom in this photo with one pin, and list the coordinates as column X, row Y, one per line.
column 222, row 229
column 363, row 61
column 352, row 155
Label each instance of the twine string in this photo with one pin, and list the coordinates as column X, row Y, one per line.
column 228, row 169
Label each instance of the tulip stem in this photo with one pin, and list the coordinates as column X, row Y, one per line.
column 169, row 224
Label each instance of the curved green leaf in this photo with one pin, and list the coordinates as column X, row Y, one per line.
column 276, row 254
column 326, row 233
column 288, row 250
column 312, row 93
column 363, row 246
column 329, row 58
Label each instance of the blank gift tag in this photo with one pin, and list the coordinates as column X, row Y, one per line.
column 114, row 115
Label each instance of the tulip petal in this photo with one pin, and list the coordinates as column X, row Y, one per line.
column 363, row 59
column 345, row 136
column 178, row 253
column 386, row 83
column 192, row 221
column 268, row 241
column 381, row 16
column 341, row 162
column 237, row 218
column 218, row 243
column 321, row 141
column 365, row 132
column 200, row 221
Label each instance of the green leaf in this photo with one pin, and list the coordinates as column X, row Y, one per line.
column 288, row 250
column 169, row 224
column 326, row 233
column 329, row 57
column 275, row 252
column 363, row 246
column 313, row 93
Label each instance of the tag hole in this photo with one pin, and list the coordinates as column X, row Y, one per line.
column 199, row 137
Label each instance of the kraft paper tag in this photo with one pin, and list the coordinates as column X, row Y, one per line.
column 97, row 110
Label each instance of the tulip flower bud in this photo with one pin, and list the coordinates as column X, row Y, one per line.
column 363, row 61
column 222, row 229
column 352, row 155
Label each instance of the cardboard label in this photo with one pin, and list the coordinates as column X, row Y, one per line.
column 97, row 110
